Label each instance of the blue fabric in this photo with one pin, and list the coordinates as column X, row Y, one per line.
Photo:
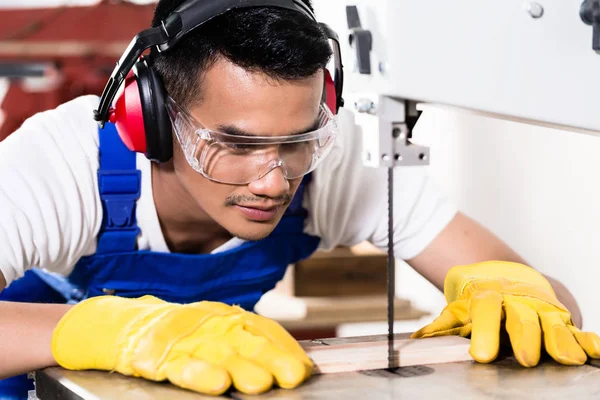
column 119, row 185
column 237, row 276
column 16, row 388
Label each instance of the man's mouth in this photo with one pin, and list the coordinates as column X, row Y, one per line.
column 259, row 213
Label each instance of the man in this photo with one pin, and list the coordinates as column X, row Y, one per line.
column 219, row 219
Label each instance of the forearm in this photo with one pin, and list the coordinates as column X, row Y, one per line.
column 26, row 335
column 463, row 242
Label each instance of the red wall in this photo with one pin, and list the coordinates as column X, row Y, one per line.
column 83, row 42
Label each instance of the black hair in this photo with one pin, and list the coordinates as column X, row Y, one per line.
column 282, row 44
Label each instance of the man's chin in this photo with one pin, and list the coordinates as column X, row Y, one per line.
column 252, row 236
column 253, row 231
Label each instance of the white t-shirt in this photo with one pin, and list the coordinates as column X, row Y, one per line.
column 50, row 209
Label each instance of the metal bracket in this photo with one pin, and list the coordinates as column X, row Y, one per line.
column 360, row 39
column 590, row 15
column 393, row 119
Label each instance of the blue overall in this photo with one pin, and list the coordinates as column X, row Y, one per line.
column 236, row 276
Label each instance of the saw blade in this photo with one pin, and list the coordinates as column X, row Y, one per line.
column 391, row 269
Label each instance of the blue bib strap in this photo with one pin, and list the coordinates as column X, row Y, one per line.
column 119, row 184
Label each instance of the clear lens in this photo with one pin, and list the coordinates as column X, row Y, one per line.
column 243, row 159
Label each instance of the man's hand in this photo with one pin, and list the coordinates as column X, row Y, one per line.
column 482, row 296
column 205, row 346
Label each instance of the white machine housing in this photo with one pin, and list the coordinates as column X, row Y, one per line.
column 522, row 59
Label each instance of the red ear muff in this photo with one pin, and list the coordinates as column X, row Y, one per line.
column 330, row 93
column 140, row 114
column 128, row 116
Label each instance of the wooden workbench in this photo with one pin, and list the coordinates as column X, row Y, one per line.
column 503, row 379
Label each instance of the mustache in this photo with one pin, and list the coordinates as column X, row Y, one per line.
column 238, row 200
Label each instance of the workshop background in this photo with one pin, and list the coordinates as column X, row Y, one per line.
column 534, row 186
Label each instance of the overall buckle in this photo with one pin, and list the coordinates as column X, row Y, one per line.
column 119, row 192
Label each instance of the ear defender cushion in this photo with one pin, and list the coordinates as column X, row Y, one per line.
column 329, row 93
column 140, row 115
column 157, row 125
column 127, row 116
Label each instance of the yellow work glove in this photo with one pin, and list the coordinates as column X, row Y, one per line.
column 484, row 295
column 205, row 346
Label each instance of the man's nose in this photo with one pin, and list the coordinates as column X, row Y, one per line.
column 273, row 184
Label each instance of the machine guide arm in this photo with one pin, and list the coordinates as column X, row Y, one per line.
column 393, row 120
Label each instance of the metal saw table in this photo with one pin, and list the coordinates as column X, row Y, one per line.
column 503, row 379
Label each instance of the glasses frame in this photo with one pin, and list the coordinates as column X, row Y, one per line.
column 328, row 128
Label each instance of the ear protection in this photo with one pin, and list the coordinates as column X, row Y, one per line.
column 139, row 112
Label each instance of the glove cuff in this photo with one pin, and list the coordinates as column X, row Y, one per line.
column 459, row 277
column 88, row 336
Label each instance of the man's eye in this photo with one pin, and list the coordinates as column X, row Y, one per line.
column 294, row 147
column 238, row 146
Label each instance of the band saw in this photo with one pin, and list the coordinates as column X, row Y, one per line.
column 535, row 62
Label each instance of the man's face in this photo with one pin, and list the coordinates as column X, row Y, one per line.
column 249, row 102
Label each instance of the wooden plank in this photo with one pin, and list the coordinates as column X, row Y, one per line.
column 371, row 352
column 357, row 270
column 352, row 276
column 328, row 312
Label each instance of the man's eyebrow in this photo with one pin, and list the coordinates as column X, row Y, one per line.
column 235, row 131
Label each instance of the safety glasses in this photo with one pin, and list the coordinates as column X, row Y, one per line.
column 240, row 160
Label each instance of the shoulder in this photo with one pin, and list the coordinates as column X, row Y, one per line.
column 48, row 189
column 73, row 118
column 78, row 111
column 68, row 132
